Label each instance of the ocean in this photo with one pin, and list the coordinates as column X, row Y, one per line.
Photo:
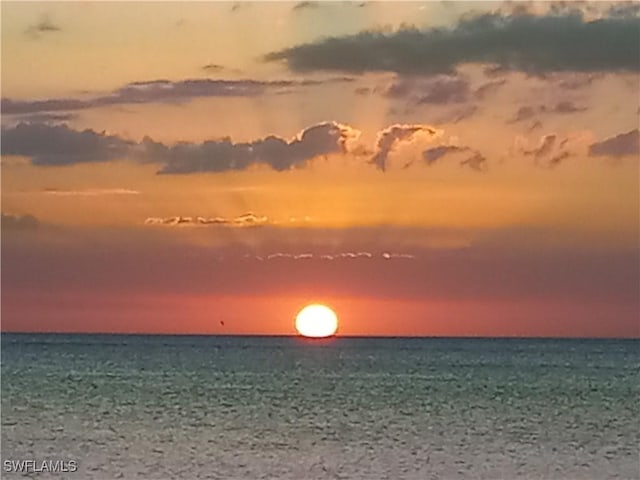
column 191, row 407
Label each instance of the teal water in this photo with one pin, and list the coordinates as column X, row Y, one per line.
column 193, row 407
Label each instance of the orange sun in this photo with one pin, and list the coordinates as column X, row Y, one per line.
column 316, row 321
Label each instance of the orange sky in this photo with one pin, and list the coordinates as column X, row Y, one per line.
column 168, row 166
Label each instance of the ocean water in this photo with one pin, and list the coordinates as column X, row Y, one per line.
column 287, row 408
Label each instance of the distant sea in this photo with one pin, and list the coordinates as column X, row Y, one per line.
column 191, row 407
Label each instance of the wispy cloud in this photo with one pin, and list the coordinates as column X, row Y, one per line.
column 249, row 219
column 90, row 192
column 163, row 91
column 469, row 157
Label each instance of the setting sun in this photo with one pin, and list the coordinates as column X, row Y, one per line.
column 316, row 321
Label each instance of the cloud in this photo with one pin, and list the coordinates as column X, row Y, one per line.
column 19, row 222
column 530, row 43
column 60, row 145
column 45, row 25
column 566, row 106
column 551, row 149
column 578, row 81
column 246, row 220
column 304, row 6
column 485, row 89
column 212, row 67
column 544, row 147
column 523, row 113
column 90, row 192
column 621, row 145
column 223, row 155
column 438, row 90
column 434, row 154
column 475, row 161
column 563, row 107
column 162, row 91
column 391, row 136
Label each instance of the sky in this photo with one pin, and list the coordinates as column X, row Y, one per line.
column 423, row 168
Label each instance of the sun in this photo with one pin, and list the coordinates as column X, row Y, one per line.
column 316, row 321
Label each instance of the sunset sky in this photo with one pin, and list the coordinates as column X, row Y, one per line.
column 438, row 168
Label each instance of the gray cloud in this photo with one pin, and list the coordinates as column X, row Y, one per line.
column 534, row 44
column 622, row 145
column 391, row 136
column 437, row 90
column 222, row 155
column 475, row 161
column 434, row 154
column 487, row 88
column 19, row 222
column 60, row 145
column 563, row 107
column 162, row 91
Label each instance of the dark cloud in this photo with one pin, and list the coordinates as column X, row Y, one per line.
column 438, row 90
column 223, row 155
column 45, row 25
column 60, row 145
column 563, row 107
column 622, row 145
column 391, row 136
column 475, row 161
column 162, row 91
column 534, row 44
column 19, row 222
column 434, row 154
